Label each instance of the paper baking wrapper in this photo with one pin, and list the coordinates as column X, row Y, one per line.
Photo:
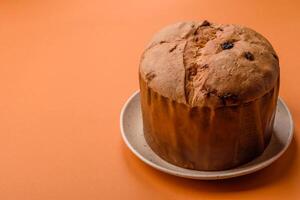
column 207, row 138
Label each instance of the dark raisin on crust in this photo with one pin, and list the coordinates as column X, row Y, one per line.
column 228, row 97
column 227, row 45
column 249, row 56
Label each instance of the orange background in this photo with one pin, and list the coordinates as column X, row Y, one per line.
column 67, row 67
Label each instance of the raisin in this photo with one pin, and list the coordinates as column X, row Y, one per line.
column 249, row 56
column 227, row 45
column 228, row 97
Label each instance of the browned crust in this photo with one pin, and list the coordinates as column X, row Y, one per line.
column 194, row 64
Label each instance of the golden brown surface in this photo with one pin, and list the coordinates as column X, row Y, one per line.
column 208, row 94
column 209, row 64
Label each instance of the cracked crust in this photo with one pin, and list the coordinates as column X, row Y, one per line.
column 206, row 64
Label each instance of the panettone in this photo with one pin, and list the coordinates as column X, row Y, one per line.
column 208, row 94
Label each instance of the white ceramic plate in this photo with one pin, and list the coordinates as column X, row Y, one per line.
column 132, row 133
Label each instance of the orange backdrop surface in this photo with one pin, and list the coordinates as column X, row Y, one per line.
column 67, row 67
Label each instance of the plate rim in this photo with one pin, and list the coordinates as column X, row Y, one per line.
column 211, row 176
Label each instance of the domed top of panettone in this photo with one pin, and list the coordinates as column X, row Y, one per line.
column 207, row 64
